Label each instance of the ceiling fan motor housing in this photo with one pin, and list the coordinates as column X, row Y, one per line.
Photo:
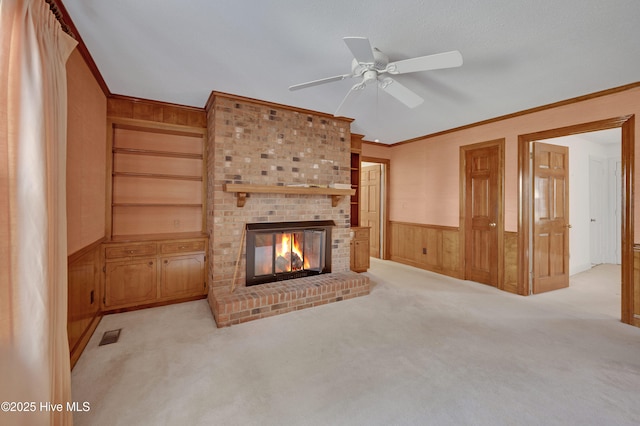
column 379, row 64
column 380, row 59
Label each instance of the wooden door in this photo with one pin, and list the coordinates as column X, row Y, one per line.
column 482, row 201
column 370, row 205
column 550, row 217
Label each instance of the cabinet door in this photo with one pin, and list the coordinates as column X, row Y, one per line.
column 352, row 260
column 183, row 276
column 360, row 255
column 131, row 282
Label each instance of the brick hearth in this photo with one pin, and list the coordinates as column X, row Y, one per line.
column 266, row 300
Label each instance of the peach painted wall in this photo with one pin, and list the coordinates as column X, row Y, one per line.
column 86, row 155
column 424, row 175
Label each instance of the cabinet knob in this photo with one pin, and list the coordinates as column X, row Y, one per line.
column 166, row 262
column 131, row 251
column 150, row 263
column 492, row 224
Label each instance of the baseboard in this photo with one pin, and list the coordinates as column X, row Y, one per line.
column 153, row 305
column 449, row 273
column 581, row 268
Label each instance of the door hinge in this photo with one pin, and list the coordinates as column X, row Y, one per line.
column 531, row 155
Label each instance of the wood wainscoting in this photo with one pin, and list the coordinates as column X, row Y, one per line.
column 83, row 311
column 437, row 249
column 430, row 247
column 511, row 262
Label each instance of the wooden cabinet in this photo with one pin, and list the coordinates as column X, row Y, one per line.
column 141, row 273
column 156, row 253
column 360, row 249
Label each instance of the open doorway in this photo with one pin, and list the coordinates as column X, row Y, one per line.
column 374, row 183
column 595, row 185
column 525, row 255
column 593, row 231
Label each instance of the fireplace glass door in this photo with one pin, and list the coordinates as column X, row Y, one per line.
column 288, row 252
column 280, row 254
column 284, row 250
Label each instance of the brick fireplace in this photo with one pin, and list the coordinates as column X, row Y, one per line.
column 259, row 143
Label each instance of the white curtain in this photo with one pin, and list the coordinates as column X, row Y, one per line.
column 34, row 352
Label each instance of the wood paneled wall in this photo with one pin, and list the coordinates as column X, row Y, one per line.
column 434, row 248
column 409, row 241
column 159, row 112
column 84, row 297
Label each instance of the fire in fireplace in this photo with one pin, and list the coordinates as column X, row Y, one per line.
column 286, row 250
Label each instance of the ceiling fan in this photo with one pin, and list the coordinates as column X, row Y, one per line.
column 370, row 65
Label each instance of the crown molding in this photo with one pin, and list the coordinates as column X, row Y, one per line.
column 58, row 9
column 524, row 112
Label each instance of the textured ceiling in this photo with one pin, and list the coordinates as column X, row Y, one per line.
column 517, row 54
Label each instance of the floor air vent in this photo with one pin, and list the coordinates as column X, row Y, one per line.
column 110, row 337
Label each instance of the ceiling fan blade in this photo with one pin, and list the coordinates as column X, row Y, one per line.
column 425, row 63
column 400, row 92
column 361, row 49
column 318, row 82
column 353, row 93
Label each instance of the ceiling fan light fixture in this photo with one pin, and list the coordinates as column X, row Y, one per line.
column 370, row 76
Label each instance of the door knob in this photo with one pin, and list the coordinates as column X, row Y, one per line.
column 492, row 224
column 568, row 226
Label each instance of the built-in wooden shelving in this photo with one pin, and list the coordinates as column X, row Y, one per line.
column 356, row 150
column 155, row 153
column 155, row 205
column 157, row 178
column 242, row 190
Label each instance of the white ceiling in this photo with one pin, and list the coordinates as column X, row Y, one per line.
column 518, row 54
column 604, row 137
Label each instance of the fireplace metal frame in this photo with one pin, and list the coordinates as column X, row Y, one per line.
column 253, row 229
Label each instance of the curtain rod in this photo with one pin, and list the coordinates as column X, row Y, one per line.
column 59, row 17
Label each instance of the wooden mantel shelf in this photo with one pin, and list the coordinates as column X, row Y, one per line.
column 243, row 189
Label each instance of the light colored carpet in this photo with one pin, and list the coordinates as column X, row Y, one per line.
column 421, row 349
